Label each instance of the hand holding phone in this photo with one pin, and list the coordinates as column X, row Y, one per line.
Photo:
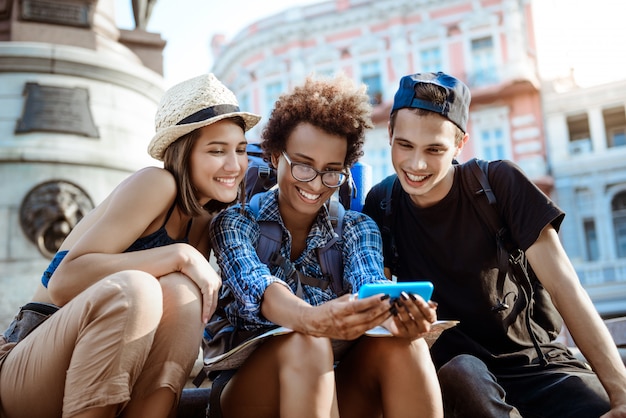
column 393, row 289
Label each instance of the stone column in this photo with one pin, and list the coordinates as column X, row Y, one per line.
column 77, row 104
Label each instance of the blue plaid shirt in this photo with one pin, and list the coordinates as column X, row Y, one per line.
column 234, row 235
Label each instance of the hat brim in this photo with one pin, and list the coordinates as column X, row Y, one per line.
column 164, row 138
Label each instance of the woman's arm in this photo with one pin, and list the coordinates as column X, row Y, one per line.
column 555, row 271
column 233, row 237
column 344, row 318
column 96, row 247
column 262, row 298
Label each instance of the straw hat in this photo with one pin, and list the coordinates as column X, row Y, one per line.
column 190, row 105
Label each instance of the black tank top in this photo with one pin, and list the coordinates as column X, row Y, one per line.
column 159, row 238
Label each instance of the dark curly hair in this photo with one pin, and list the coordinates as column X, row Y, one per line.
column 336, row 105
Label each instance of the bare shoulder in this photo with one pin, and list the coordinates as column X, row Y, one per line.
column 149, row 183
column 141, row 199
column 152, row 176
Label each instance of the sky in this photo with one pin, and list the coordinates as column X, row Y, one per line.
column 188, row 30
column 587, row 35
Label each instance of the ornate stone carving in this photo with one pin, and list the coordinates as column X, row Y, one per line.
column 50, row 211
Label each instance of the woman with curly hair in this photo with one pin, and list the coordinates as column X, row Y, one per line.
column 323, row 365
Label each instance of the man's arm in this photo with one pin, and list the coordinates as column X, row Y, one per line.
column 555, row 271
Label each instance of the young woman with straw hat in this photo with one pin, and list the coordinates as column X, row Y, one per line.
column 128, row 293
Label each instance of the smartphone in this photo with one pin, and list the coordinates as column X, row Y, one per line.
column 393, row 289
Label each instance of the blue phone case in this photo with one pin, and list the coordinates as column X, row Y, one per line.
column 424, row 289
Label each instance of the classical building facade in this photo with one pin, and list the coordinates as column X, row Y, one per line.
column 586, row 136
column 490, row 45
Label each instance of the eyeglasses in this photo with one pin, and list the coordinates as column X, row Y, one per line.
column 305, row 173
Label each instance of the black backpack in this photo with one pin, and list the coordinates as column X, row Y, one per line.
column 511, row 259
column 260, row 177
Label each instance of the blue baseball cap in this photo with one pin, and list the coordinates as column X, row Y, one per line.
column 455, row 107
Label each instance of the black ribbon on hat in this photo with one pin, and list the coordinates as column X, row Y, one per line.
column 208, row 113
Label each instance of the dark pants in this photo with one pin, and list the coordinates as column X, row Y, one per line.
column 560, row 390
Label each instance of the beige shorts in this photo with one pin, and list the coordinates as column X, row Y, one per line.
column 124, row 337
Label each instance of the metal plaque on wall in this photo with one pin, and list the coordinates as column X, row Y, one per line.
column 72, row 13
column 56, row 109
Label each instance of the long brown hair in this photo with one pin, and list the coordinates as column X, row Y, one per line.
column 176, row 161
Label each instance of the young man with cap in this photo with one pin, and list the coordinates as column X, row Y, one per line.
column 500, row 361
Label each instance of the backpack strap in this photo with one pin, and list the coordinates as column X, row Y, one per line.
column 390, row 186
column 271, row 236
column 480, row 169
column 476, row 183
column 268, row 251
column 330, row 256
column 475, row 176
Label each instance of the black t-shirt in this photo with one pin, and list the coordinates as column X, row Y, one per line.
column 449, row 245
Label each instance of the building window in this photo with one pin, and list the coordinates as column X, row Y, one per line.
column 272, row 92
column 491, row 131
column 615, row 124
column 619, row 223
column 591, row 240
column 579, row 134
column 371, row 77
column 328, row 72
column 244, row 102
column 245, row 105
column 484, row 68
column 430, row 60
column 492, row 144
column 617, row 137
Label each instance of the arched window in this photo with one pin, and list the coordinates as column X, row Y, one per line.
column 618, row 206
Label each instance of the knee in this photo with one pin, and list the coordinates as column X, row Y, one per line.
column 460, row 369
column 415, row 352
column 181, row 294
column 129, row 296
column 396, row 353
column 134, row 290
column 307, row 353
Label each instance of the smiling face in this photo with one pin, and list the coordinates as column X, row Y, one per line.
column 313, row 146
column 422, row 150
column 218, row 161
